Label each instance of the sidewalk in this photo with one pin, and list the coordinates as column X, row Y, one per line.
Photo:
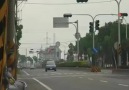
column 111, row 71
column 121, row 71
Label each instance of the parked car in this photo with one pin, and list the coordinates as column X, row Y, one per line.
column 32, row 66
column 50, row 65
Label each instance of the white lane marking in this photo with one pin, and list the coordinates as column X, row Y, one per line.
column 123, row 85
column 44, row 85
column 103, row 81
column 90, row 78
column 55, row 73
column 59, row 73
column 26, row 73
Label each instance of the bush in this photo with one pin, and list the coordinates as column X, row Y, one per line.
column 124, row 67
column 73, row 64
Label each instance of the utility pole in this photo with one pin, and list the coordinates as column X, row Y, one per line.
column 77, row 35
column 46, row 39
column 26, row 52
column 119, row 37
column 54, row 38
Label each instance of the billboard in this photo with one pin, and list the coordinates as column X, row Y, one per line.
column 60, row 22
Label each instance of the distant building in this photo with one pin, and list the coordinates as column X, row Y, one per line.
column 50, row 53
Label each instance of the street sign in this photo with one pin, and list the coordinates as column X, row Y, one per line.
column 95, row 50
column 60, row 22
column 116, row 45
column 77, row 35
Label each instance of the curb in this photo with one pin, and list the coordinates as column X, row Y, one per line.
column 121, row 71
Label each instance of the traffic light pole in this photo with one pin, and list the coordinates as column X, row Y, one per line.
column 119, row 40
column 77, row 36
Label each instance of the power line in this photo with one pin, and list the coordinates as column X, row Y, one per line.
column 69, row 3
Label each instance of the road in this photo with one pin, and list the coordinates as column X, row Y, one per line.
column 38, row 79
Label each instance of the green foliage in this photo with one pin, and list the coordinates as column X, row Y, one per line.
column 35, row 58
column 104, row 41
column 19, row 33
column 73, row 64
column 70, row 56
column 22, row 58
column 30, row 59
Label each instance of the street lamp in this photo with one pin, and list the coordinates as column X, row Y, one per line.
column 93, row 20
column 119, row 41
column 70, row 15
column 77, row 34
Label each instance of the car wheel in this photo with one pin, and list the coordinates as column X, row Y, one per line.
column 55, row 70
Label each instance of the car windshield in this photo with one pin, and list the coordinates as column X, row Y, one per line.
column 50, row 63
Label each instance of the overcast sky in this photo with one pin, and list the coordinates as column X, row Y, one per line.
column 37, row 19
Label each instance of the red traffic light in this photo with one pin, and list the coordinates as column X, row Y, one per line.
column 122, row 14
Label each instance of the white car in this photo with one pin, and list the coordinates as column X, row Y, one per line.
column 50, row 65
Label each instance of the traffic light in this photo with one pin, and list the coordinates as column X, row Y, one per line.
column 67, row 15
column 123, row 14
column 91, row 27
column 81, row 1
column 97, row 25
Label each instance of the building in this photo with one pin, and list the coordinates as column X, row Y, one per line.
column 50, row 53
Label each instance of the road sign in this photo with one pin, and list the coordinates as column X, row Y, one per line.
column 60, row 22
column 95, row 50
column 77, row 35
column 116, row 45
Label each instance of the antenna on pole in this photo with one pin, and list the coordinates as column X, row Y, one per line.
column 54, row 38
column 46, row 39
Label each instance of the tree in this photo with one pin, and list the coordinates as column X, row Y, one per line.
column 22, row 58
column 107, row 36
column 30, row 59
column 19, row 33
column 35, row 58
column 70, row 56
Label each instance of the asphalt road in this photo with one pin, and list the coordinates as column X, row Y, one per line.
column 38, row 79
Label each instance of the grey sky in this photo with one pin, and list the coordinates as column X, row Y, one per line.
column 37, row 19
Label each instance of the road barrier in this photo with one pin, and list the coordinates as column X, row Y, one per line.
column 95, row 69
